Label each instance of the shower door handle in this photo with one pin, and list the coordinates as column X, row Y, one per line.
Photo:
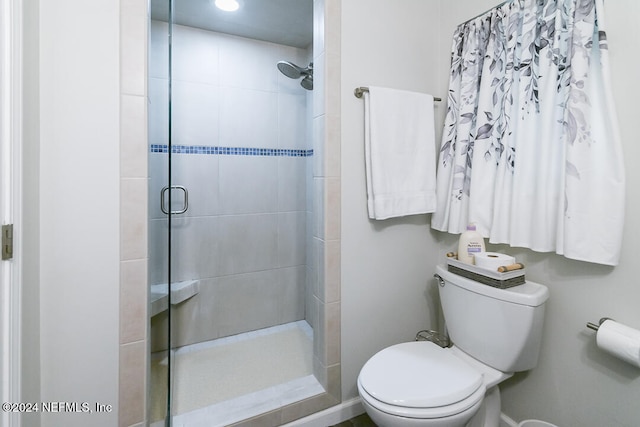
column 186, row 199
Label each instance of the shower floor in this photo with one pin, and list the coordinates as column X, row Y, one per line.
column 230, row 379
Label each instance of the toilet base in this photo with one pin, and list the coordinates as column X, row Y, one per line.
column 489, row 413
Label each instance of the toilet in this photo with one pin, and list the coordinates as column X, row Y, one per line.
column 495, row 333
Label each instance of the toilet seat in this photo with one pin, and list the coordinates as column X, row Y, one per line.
column 420, row 380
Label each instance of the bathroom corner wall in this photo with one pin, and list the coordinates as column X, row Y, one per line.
column 134, row 347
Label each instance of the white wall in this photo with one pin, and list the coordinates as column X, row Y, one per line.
column 31, row 175
column 79, row 208
column 387, row 267
column 575, row 384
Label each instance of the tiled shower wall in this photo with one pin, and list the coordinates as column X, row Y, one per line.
column 323, row 302
column 134, row 348
column 241, row 148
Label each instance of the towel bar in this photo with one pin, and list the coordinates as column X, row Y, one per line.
column 362, row 89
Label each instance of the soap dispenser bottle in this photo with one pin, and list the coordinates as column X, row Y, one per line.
column 471, row 242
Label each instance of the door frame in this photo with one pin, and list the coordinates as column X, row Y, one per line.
column 11, row 53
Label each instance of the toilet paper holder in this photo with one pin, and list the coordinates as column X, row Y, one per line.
column 596, row 327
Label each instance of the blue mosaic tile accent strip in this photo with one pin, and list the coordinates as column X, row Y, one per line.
column 230, row 151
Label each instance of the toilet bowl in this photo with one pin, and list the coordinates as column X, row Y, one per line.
column 421, row 384
column 495, row 333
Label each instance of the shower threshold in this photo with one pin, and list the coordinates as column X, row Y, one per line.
column 224, row 381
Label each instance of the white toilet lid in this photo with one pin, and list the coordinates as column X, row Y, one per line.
column 418, row 374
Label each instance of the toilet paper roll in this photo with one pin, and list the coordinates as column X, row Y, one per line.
column 492, row 260
column 619, row 340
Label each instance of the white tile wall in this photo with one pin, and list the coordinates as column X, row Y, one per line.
column 324, row 304
column 196, row 113
column 158, row 110
column 158, row 50
column 248, row 184
column 292, row 110
column 133, row 351
column 292, row 187
column 195, row 56
column 245, row 231
column 248, row 118
column 200, row 175
column 292, row 227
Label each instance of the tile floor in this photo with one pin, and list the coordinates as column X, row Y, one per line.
column 359, row 421
column 209, row 390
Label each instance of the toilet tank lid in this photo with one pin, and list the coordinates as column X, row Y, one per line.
column 529, row 293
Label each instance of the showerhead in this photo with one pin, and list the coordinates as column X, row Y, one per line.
column 295, row 72
column 307, row 82
column 290, row 70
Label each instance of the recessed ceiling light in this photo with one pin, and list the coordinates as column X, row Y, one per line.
column 227, row 5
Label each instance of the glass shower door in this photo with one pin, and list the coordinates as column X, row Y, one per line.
column 230, row 164
column 161, row 206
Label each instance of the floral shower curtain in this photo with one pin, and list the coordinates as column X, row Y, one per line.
column 530, row 150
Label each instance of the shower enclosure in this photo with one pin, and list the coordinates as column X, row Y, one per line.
column 236, row 327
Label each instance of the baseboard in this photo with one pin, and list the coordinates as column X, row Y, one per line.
column 335, row 415
column 352, row 408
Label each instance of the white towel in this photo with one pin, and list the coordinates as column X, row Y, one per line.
column 399, row 153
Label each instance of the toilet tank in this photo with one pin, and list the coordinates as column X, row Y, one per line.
column 499, row 327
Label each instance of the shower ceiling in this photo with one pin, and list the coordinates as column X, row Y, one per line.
column 287, row 22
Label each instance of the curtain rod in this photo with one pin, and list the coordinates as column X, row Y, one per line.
column 489, row 10
column 360, row 90
column 486, row 11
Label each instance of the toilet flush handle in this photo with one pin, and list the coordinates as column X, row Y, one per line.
column 439, row 279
